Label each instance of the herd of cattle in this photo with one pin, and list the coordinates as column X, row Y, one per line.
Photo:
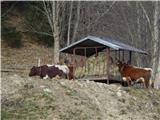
column 129, row 73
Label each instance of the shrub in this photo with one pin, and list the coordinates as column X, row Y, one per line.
column 12, row 37
column 45, row 40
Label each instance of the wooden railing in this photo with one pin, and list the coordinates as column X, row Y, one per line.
column 15, row 68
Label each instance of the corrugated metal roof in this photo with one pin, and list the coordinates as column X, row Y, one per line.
column 123, row 46
column 92, row 41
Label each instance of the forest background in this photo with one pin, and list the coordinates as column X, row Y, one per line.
column 57, row 24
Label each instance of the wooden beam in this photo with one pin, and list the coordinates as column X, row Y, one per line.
column 89, row 47
column 14, row 70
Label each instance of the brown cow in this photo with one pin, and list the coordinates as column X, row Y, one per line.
column 134, row 74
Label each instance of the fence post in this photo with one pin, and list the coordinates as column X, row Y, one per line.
column 39, row 62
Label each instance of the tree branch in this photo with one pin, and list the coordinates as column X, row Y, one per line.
column 9, row 9
column 42, row 33
column 95, row 22
column 48, row 16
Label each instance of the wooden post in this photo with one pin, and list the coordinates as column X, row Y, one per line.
column 123, row 55
column 74, row 64
column 107, row 58
column 115, row 54
column 104, row 64
column 130, row 57
column 85, row 52
column 119, row 55
column 95, row 65
column 81, row 66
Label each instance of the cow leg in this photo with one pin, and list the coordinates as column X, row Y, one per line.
column 68, row 76
column 146, row 83
column 145, row 86
column 151, row 83
column 141, row 82
column 129, row 81
column 46, row 77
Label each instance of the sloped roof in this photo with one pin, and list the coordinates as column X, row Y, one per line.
column 92, row 41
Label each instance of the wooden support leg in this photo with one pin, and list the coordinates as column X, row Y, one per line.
column 108, row 66
column 130, row 57
column 123, row 56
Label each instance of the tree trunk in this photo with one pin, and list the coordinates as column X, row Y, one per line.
column 56, row 43
column 76, row 23
column 56, row 32
column 138, row 33
column 156, row 40
column 56, row 48
column 69, row 24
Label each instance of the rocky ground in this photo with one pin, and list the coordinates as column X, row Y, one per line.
column 27, row 98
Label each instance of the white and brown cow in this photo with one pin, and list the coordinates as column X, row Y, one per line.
column 135, row 74
column 49, row 71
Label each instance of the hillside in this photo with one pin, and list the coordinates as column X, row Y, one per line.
column 30, row 51
column 28, row 55
column 57, row 99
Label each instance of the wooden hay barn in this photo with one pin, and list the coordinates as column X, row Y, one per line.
column 91, row 58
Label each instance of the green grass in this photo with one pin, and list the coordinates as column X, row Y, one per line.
column 28, row 110
column 69, row 91
column 139, row 93
column 74, row 115
column 158, row 110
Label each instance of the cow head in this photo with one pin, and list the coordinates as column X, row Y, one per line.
column 120, row 65
column 34, row 71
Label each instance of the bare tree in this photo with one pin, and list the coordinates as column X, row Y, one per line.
column 52, row 11
column 76, row 22
column 69, row 23
column 156, row 47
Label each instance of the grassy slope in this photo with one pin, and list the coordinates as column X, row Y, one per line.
column 29, row 53
column 26, row 56
column 32, row 98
